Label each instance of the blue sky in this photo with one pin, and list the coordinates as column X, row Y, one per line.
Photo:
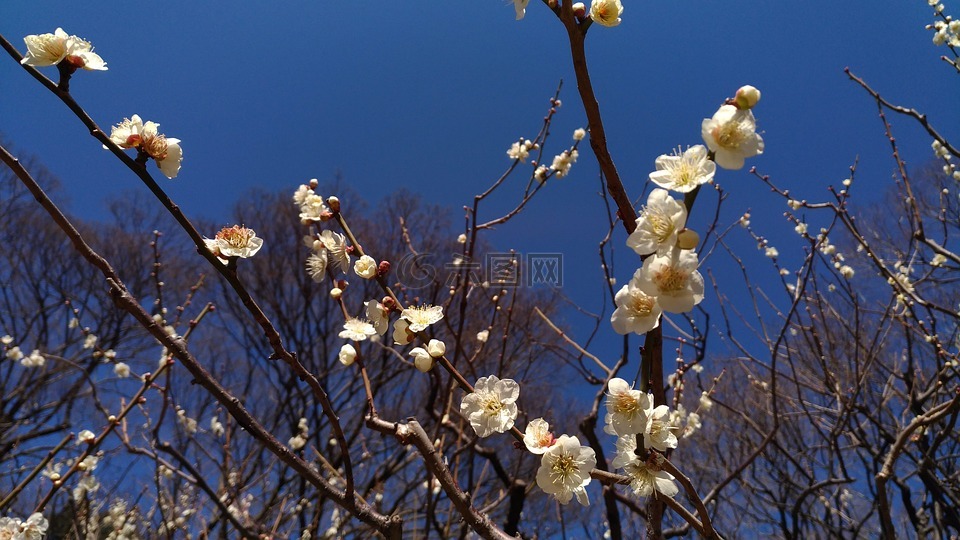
column 428, row 95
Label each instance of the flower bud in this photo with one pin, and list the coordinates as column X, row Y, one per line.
column 687, row 239
column 422, row 359
column 747, row 97
column 314, row 183
column 579, row 9
column 347, row 354
column 384, row 268
column 436, row 348
column 334, row 204
column 335, row 293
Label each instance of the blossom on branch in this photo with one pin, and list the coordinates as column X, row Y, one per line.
column 565, row 470
column 606, row 12
column 684, row 172
column 420, row 317
column 673, row 279
column 51, row 49
column 144, row 136
column 646, row 479
column 492, row 406
column 637, row 311
column 537, row 437
column 627, row 409
column 732, row 136
column 658, row 433
column 236, row 241
column 357, row 329
column 659, row 222
column 365, row 267
column 336, row 244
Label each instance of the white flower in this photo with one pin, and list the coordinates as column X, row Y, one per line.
column 436, row 348
column 636, row 311
column 121, row 370
column 606, row 12
column 422, row 359
column 165, row 151
column 234, row 241
column 541, row 173
column 357, row 329
column 659, row 222
column 188, row 424
column 772, row 252
column 8, row 339
column 673, row 279
column 563, row 162
column 491, row 407
column 731, row 134
column 627, row 408
column 347, row 354
column 565, row 470
column 644, row 480
column 518, row 151
column 216, row 427
column 377, row 315
column 313, row 207
column 126, row 134
column 14, row 353
column 51, row 49
column 684, row 172
column 705, row 402
column 401, row 332
column 579, row 134
column 658, row 433
column 483, row 336
column 420, row 317
column 34, row 360
column 90, row 341
column 297, row 442
column 537, row 436
column 366, row 267
column 317, row 265
column 626, row 451
column 86, row 436
column 521, row 7
column 336, row 244
column 846, row 271
column 301, row 193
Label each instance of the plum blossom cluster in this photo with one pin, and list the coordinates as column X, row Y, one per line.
column 12, row 352
column 668, row 280
column 34, row 528
column 946, row 30
column 632, row 417
column 150, row 143
column 565, row 464
column 60, row 47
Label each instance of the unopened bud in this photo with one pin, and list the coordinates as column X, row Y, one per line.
column 388, row 302
column 384, row 268
column 747, row 97
column 687, row 239
column 314, row 183
column 333, row 203
column 579, row 10
column 335, row 293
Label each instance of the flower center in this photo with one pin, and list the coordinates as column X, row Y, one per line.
column 728, row 135
column 563, row 466
column 156, row 147
column 642, row 304
column 659, row 223
column 237, row 237
column 492, row 405
column 625, row 404
column 671, row 280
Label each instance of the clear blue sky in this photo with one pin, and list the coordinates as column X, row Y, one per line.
column 429, row 95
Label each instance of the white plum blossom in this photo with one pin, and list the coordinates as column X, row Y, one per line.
column 747, row 97
column 126, row 134
column 645, row 480
column 164, row 150
column 366, row 267
column 336, row 244
column 659, row 222
column 537, row 436
column 562, row 162
column 317, row 265
column 492, row 406
column 216, row 427
column 627, row 409
column 673, row 279
column 236, row 241
column 626, row 451
column 347, row 354
column 606, row 12
column 357, row 329
column 565, row 470
column 732, row 136
column 86, row 436
column 658, row 433
column 420, row 317
column 422, row 360
column 121, row 370
column 579, row 134
column 90, row 341
column 684, row 172
column 313, row 208
column 51, row 49
column 401, row 332
column 14, row 353
column 637, row 311
column 301, row 194
column 34, row 528
column 518, row 151
column 483, row 336
column 377, row 315
column 34, row 360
